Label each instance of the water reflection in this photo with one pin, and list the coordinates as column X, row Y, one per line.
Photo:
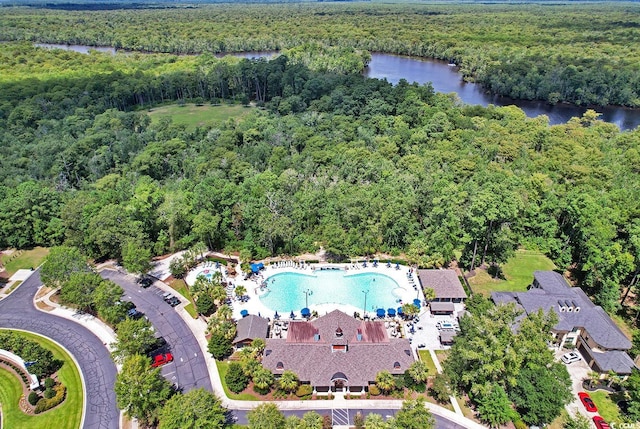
column 446, row 79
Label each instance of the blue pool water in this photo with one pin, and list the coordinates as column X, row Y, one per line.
column 286, row 291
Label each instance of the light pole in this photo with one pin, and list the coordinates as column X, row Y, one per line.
column 365, row 292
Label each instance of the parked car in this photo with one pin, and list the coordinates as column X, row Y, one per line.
column 570, row 357
column 158, row 347
column 587, row 402
column 600, row 423
column 173, row 301
column 145, row 282
column 161, row 359
column 134, row 314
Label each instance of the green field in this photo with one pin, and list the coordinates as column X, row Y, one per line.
column 193, row 116
column 181, row 287
column 25, row 259
column 606, row 407
column 518, row 273
column 65, row 416
column 425, row 357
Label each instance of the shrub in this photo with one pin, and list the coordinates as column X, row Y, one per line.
column 304, row 390
column 49, row 393
column 236, row 380
column 45, row 404
column 374, row 390
column 49, row 383
column 33, row 398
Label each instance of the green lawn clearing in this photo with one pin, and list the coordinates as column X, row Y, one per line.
column 23, row 259
column 518, row 273
column 181, row 287
column 425, row 357
column 65, row 416
column 222, row 370
column 193, row 116
column 606, row 407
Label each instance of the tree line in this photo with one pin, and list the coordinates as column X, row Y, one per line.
column 556, row 53
column 356, row 165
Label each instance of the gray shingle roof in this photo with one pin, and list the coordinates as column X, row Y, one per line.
column 317, row 363
column 442, row 306
column 250, row 328
column 554, row 291
column 444, row 282
column 614, row 360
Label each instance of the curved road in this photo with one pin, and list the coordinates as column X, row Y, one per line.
column 17, row 311
column 188, row 370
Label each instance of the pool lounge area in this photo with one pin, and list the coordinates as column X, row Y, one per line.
column 289, row 288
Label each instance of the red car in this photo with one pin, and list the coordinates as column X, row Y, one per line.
column 600, row 423
column 162, row 359
column 587, row 402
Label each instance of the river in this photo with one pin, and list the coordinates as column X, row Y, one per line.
column 445, row 78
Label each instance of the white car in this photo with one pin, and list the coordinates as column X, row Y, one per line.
column 570, row 357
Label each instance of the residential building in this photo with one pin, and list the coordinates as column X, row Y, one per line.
column 581, row 324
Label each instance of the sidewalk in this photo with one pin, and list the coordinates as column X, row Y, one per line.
column 95, row 325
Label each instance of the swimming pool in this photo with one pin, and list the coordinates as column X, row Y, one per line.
column 286, row 291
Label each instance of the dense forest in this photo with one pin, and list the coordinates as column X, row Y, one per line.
column 586, row 55
column 353, row 164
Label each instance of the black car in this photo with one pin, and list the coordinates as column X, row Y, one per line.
column 160, row 346
column 145, row 282
column 173, row 301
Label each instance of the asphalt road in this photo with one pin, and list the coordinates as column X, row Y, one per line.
column 188, row 370
column 17, row 311
column 340, row 417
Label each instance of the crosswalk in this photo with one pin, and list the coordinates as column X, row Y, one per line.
column 340, row 417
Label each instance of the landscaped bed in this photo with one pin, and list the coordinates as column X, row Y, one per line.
column 66, row 415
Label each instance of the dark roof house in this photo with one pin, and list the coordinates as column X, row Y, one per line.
column 249, row 328
column 580, row 322
column 445, row 283
column 337, row 350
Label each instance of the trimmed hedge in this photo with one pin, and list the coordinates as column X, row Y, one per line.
column 374, row 390
column 304, row 390
column 33, row 398
column 45, row 404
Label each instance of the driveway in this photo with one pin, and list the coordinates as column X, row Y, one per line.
column 98, row 370
column 578, row 371
column 188, row 370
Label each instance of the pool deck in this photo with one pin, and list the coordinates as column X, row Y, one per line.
column 254, row 305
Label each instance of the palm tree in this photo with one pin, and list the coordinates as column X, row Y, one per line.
column 258, row 345
column 385, row 381
column 419, row 371
column 240, row 290
column 594, row 377
column 224, row 312
column 262, row 379
column 288, row 381
column 218, row 294
column 429, row 294
column 375, row 421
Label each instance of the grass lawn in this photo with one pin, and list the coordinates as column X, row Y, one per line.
column 442, row 355
column 65, row 416
column 518, row 273
column 425, row 357
column 222, row 370
column 193, row 116
column 606, row 407
column 26, row 259
column 180, row 286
